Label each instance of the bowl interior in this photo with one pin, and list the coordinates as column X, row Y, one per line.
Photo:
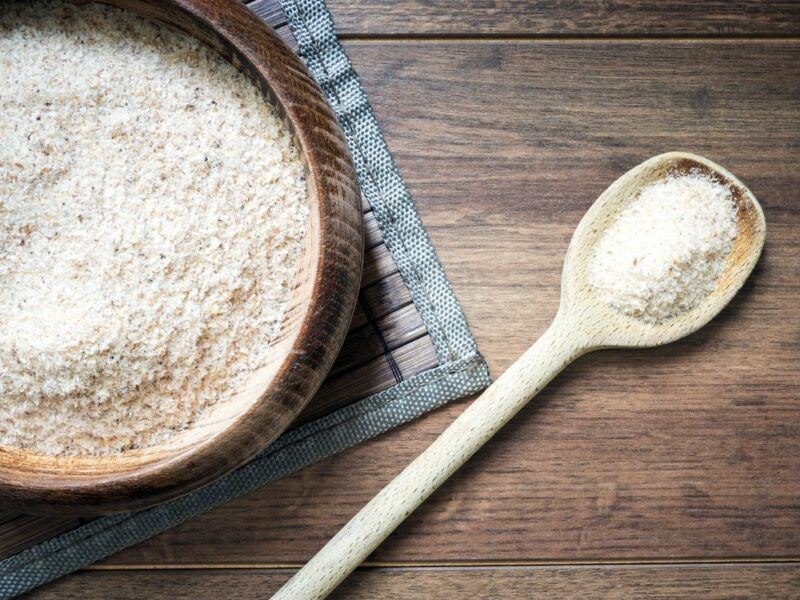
column 214, row 422
column 256, row 412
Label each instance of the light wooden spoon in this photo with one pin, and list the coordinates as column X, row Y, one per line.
column 583, row 323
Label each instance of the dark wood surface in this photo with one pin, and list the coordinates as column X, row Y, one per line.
column 685, row 454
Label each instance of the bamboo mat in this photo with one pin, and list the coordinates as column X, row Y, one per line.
column 389, row 343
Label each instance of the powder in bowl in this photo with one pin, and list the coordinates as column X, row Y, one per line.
column 666, row 250
column 152, row 210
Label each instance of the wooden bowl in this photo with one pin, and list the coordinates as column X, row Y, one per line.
column 322, row 302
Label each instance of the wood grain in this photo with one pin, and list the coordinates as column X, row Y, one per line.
column 684, row 451
column 654, row 582
column 384, row 296
column 371, row 341
column 501, row 191
column 387, row 18
column 375, row 376
column 378, row 263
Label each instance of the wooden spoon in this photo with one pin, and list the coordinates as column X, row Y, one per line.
column 583, row 323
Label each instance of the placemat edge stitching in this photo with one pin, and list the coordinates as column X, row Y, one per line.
column 37, row 558
column 428, row 311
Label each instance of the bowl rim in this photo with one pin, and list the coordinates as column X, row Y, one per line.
column 250, row 44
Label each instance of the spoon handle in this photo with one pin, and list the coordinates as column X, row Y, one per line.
column 473, row 428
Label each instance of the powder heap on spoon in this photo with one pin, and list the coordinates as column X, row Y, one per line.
column 666, row 250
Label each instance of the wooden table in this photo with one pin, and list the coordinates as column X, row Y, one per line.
column 669, row 472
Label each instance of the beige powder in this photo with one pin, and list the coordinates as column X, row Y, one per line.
column 152, row 207
column 665, row 252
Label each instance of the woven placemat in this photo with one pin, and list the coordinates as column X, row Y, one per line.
column 409, row 349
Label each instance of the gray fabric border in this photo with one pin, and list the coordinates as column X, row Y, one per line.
column 299, row 448
column 462, row 370
column 380, row 181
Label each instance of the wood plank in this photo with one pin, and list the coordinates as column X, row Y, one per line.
column 654, row 582
column 8, row 515
column 688, row 450
column 383, row 296
column 378, row 264
column 359, row 318
column 559, row 17
column 373, row 236
column 387, row 295
column 372, row 377
column 364, row 344
column 270, row 11
column 566, row 120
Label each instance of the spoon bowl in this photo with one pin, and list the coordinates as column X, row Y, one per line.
column 606, row 327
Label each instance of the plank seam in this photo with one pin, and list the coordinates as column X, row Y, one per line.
column 387, row 352
column 413, row 38
column 465, row 565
